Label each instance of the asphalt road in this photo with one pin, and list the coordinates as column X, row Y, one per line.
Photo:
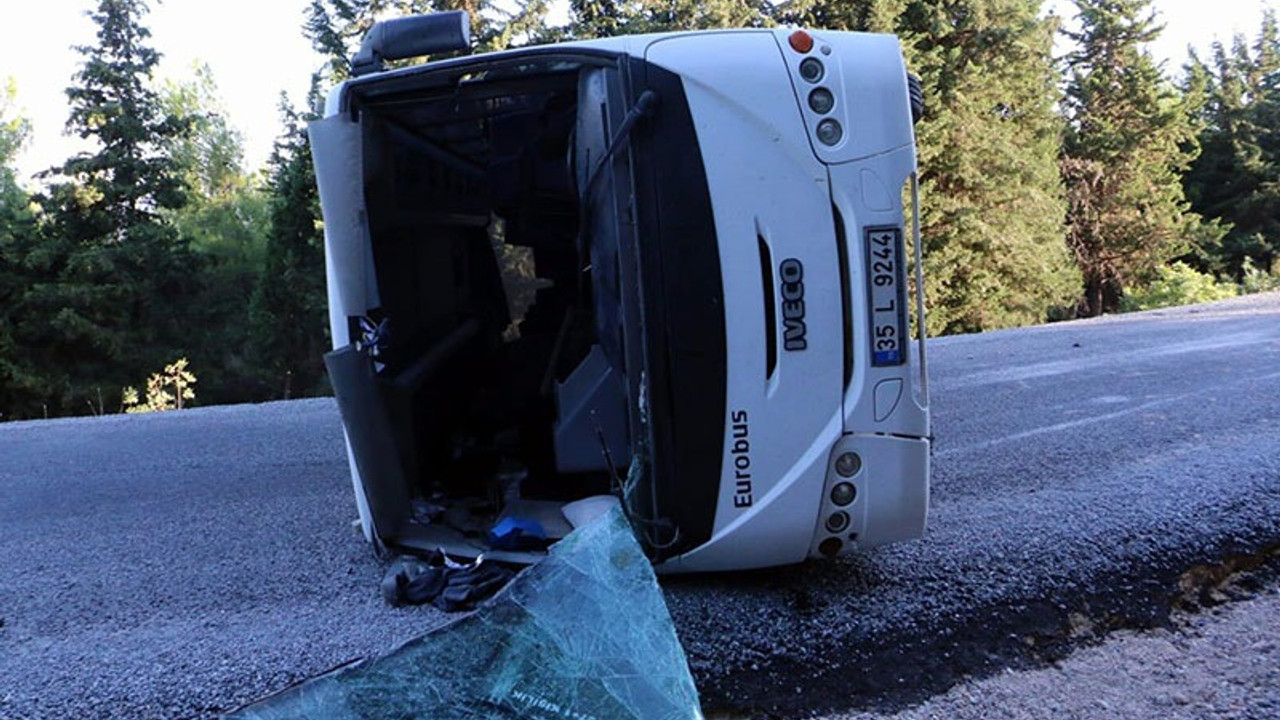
column 178, row 565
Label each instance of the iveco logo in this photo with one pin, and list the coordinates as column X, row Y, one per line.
column 793, row 330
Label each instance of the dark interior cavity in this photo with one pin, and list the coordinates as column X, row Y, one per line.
column 498, row 340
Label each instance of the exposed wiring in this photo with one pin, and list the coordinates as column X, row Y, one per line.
column 643, row 525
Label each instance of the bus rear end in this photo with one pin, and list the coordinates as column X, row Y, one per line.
column 806, row 139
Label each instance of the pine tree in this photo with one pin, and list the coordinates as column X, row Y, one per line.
column 699, row 15
column 287, row 320
column 1236, row 178
column 113, row 278
column 1129, row 138
column 115, row 105
column 287, row 329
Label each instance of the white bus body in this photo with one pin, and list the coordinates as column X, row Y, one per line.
column 709, row 316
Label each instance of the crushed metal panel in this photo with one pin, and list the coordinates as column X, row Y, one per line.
column 583, row 635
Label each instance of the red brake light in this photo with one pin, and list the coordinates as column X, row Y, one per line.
column 801, row 41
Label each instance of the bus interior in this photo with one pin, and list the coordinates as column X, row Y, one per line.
column 489, row 383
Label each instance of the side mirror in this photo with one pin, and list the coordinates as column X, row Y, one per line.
column 412, row 36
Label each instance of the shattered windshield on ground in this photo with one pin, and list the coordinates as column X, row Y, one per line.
column 583, row 635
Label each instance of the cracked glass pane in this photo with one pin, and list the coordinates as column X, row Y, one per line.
column 583, row 635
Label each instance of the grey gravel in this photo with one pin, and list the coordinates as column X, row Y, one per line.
column 180, row 564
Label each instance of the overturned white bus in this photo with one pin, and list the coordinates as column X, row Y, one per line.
column 668, row 268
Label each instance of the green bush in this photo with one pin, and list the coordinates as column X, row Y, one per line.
column 1177, row 284
column 1258, row 280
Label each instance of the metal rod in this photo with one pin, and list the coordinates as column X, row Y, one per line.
column 919, row 253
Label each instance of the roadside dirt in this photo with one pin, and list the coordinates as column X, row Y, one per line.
column 1219, row 662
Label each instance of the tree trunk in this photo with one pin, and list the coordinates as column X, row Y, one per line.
column 1092, row 305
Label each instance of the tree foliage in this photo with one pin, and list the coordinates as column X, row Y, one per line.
column 1236, row 178
column 226, row 224
column 209, row 157
column 1174, row 285
column 14, row 131
column 166, row 390
column 19, row 380
column 869, row 16
column 1130, row 136
column 129, row 178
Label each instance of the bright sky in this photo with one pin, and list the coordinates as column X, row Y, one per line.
column 256, row 50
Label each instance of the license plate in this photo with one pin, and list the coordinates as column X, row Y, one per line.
column 887, row 292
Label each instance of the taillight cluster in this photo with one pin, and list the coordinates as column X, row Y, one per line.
column 847, row 466
column 821, row 99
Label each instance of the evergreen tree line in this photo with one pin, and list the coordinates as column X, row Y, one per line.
column 155, row 246
column 1052, row 187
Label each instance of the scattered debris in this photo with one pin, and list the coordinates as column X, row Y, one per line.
column 447, row 584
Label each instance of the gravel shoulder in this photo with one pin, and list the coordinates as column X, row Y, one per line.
column 1221, row 663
